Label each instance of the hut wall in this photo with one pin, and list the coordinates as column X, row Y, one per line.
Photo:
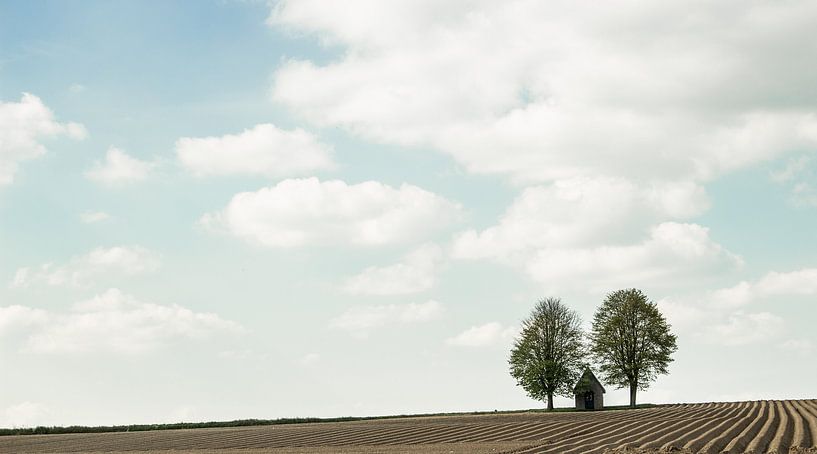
column 598, row 397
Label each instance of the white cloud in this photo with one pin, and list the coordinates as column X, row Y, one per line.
column 81, row 271
column 589, row 232
column 22, row 126
column 741, row 328
column 792, row 283
column 14, row 318
column 416, row 273
column 262, row 150
column 360, row 320
column 672, row 253
column 800, row 282
column 736, row 296
column 298, row 212
column 568, row 213
column 542, row 91
column 492, row 333
column 684, row 313
column 109, row 322
column 721, row 316
column 712, row 318
column 678, row 200
column 119, row 168
column 91, row 217
column 580, row 212
column 584, row 233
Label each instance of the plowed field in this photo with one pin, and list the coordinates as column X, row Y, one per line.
column 736, row 427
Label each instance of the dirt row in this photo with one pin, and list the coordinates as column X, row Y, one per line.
column 737, row 427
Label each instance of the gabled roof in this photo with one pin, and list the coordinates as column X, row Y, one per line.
column 584, row 383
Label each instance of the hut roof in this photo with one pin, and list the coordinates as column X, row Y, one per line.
column 587, row 379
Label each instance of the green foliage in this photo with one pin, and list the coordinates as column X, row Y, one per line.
column 548, row 356
column 631, row 341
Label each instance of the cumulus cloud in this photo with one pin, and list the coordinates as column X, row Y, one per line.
column 601, row 231
column 800, row 282
column 580, row 212
column 298, row 212
column 725, row 315
column 17, row 317
column 542, row 91
column 698, row 318
column 772, row 284
column 741, row 328
column 83, row 270
column 119, row 168
column 685, row 313
column 568, row 213
column 416, row 273
column 262, row 150
column 672, row 252
column 22, row 127
column 491, row 333
column 109, row 322
column 360, row 320
column 592, row 233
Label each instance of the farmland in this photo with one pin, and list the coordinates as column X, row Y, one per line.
column 736, row 427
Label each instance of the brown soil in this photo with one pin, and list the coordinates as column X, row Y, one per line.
column 751, row 427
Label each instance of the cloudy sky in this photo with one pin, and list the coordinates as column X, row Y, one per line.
column 234, row 209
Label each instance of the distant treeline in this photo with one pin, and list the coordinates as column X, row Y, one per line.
column 42, row 430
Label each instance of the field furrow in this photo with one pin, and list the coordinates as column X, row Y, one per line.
column 801, row 438
column 728, row 425
column 783, row 431
column 588, row 439
column 673, row 435
column 740, row 427
column 628, row 439
column 739, row 443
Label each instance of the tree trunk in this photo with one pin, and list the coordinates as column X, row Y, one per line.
column 633, row 389
column 550, row 401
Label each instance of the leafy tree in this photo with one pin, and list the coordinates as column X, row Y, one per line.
column 547, row 357
column 631, row 341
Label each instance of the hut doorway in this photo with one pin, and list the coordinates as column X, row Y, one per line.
column 588, row 392
column 588, row 401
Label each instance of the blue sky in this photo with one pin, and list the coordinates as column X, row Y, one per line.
column 240, row 209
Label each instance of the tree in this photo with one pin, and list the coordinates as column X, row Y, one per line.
column 547, row 357
column 631, row 341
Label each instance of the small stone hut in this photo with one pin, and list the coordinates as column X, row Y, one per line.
column 589, row 392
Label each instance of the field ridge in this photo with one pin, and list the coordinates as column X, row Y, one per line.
column 766, row 426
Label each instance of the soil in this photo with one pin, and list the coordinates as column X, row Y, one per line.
column 735, row 427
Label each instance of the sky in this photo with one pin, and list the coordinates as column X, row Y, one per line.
column 239, row 209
